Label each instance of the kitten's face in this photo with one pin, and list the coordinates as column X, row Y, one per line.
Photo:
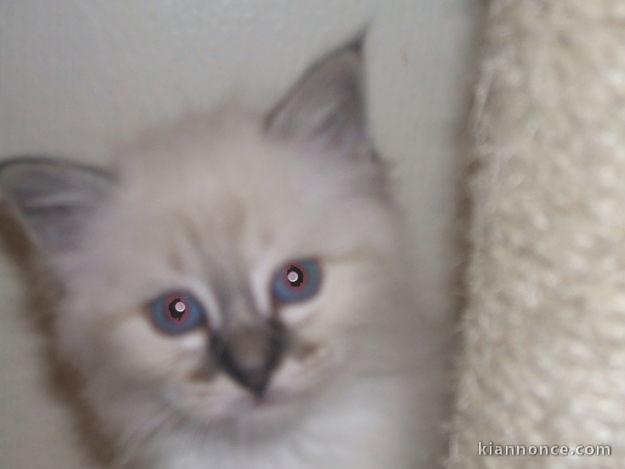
column 222, row 226
column 179, row 272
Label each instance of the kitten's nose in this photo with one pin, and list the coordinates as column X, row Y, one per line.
column 250, row 354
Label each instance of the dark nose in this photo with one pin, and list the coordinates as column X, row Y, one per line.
column 250, row 354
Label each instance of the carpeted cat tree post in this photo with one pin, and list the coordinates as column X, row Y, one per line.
column 543, row 359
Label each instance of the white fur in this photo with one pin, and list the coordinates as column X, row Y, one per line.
column 216, row 204
column 374, row 393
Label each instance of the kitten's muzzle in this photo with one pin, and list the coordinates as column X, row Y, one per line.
column 250, row 354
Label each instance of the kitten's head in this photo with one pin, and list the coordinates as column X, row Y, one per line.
column 226, row 268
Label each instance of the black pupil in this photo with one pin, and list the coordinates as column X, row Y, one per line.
column 177, row 308
column 294, row 276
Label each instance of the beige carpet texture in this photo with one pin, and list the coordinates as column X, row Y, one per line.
column 543, row 358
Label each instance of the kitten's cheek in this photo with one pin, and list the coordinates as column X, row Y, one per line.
column 306, row 350
column 136, row 350
column 298, row 315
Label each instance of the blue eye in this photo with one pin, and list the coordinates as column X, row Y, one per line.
column 177, row 312
column 296, row 281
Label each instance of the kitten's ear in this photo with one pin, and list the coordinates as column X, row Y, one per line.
column 52, row 198
column 326, row 107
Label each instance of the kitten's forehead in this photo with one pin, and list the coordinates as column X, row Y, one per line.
column 230, row 182
column 223, row 203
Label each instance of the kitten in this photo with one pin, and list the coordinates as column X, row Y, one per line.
column 235, row 289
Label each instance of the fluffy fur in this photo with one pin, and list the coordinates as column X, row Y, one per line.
column 214, row 204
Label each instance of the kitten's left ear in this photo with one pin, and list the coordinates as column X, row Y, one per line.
column 52, row 198
column 326, row 106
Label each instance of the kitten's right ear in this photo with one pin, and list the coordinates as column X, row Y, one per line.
column 52, row 198
column 326, row 106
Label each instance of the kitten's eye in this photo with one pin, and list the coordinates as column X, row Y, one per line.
column 296, row 281
column 177, row 312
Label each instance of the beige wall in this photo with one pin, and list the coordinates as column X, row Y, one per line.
column 76, row 76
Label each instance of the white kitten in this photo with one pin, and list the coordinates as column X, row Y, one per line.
column 235, row 289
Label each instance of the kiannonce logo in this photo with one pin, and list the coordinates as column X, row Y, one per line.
column 501, row 449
